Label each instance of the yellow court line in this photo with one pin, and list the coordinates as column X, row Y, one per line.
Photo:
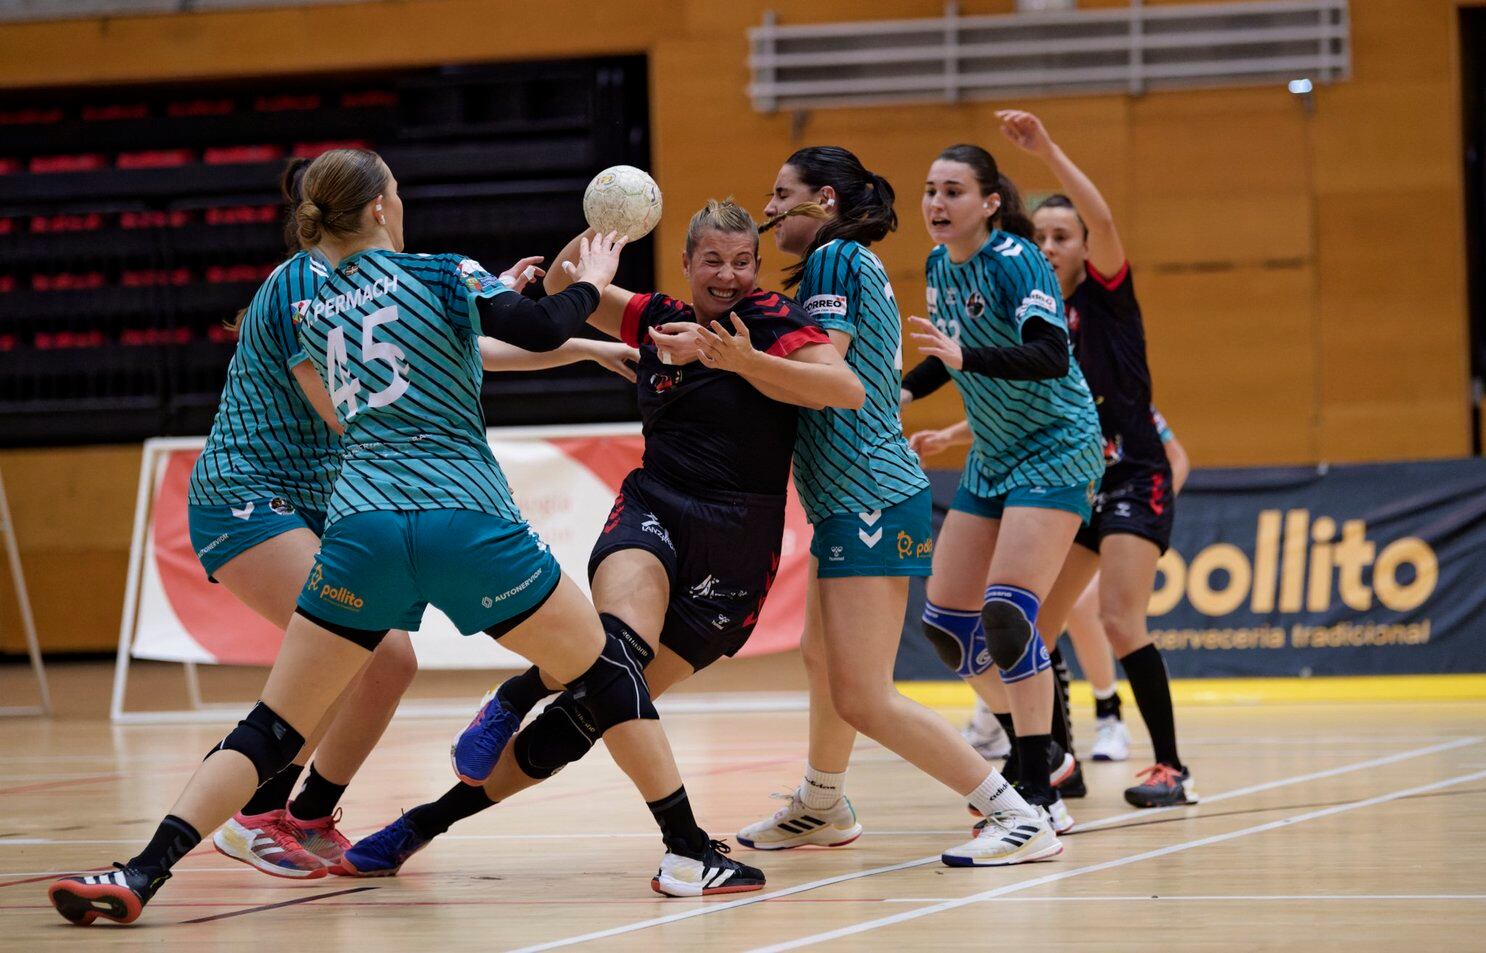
column 1253, row 691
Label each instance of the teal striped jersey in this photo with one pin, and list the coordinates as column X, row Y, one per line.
column 1027, row 433
column 394, row 337
column 267, row 439
column 855, row 461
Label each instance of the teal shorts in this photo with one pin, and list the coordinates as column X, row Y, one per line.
column 220, row 534
column 896, row 540
column 1078, row 500
column 378, row 571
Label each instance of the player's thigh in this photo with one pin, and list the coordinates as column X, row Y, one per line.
column 563, row 637
column 863, row 624
column 1031, row 547
column 313, row 667
column 1079, row 568
column 268, row 577
column 962, row 555
column 633, row 584
column 666, row 670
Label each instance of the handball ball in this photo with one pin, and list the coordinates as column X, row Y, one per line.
column 622, row 199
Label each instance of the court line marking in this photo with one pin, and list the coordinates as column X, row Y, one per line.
column 714, row 907
column 1247, row 898
column 274, row 906
column 1111, row 864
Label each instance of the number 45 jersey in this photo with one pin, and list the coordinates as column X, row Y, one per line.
column 395, row 339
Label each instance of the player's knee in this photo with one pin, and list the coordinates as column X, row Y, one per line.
column 1125, row 634
column 394, row 663
column 560, row 735
column 613, row 690
column 265, row 739
column 1010, row 620
column 958, row 636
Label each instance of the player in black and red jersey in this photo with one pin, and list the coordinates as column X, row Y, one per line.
column 1131, row 526
column 690, row 549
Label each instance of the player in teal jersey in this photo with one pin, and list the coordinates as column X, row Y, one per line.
column 868, row 500
column 421, row 513
column 997, row 324
column 256, row 506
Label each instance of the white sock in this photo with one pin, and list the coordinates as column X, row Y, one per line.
column 1104, row 694
column 996, row 794
column 820, row 789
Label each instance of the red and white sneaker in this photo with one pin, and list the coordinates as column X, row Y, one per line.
column 321, row 837
column 271, row 842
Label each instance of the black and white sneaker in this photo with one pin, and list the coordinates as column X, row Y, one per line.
column 711, row 873
column 119, row 895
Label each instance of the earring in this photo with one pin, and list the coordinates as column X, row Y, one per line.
column 830, row 202
column 381, row 219
column 986, row 206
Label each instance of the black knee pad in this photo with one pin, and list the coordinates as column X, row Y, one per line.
column 265, row 739
column 613, row 691
column 560, row 735
column 1008, row 632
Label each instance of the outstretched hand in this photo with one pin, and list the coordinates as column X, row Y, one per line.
column 724, row 350
column 1025, row 131
column 936, row 343
column 598, row 260
column 518, row 275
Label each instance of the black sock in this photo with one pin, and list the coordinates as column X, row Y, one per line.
column 1151, row 686
column 317, row 798
column 1107, row 707
column 173, row 840
column 1004, row 717
column 274, row 793
column 461, row 801
column 520, row 693
column 1012, row 768
column 678, row 828
column 1034, row 781
column 1062, row 725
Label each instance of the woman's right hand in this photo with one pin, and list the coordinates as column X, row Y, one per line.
column 926, row 443
column 1025, row 131
column 598, row 260
column 677, row 342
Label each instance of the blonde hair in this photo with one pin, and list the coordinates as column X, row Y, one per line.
column 335, row 188
column 726, row 216
column 808, row 209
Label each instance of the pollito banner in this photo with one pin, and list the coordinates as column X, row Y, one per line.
column 1346, row 570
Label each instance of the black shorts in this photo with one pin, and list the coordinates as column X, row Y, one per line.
column 1141, row 505
column 720, row 551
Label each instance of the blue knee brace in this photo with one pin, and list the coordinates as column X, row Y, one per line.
column 958, row 637
column 1010, row 619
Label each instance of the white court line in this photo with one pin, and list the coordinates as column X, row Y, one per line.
column 772, row 895
column 1111, row 864
column 1246, row 898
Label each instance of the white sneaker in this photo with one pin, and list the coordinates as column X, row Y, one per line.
column 1005, row 838
column 1057, row 812
column 796, row 825
column 1111, row 740
column 985, row 733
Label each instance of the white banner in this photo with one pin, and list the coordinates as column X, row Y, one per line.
column 564, row 479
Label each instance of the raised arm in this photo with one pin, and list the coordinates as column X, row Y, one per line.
column 1106, row 252
column 609, row 314
column 814, row 376
column 546, row 324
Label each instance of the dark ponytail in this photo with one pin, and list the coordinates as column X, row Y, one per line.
column 864, row 201
column 1012, row 215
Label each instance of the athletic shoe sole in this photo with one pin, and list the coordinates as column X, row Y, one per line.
column 346, row 869
column 83, row 903
column 1150, row 802
column 1046, row 853
column 673, row 888
column 800, row 842
column 229, row 843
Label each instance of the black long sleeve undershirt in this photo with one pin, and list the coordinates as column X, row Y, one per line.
column 543, row 325
column 1042, row 355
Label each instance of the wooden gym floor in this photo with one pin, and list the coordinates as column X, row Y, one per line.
column 1323, row 826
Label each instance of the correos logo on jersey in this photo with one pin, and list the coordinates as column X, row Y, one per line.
column 1037, row 299
column 826, row 304
column 1298, row 565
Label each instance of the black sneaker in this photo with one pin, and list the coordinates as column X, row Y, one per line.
column 1162, row 786
column 711, row 873
column 1073, row 783
column 119, row 896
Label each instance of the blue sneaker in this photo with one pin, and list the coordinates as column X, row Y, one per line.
column 479, row 746
column 381, row 854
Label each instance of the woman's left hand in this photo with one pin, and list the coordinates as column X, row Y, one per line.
column 727, row 351
column 936, row 343
column 615, row 356
column 518, row 275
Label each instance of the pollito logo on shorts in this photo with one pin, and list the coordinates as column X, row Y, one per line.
column 342, row 597
column 316, row 575
column 281, row 506
column 907, row 547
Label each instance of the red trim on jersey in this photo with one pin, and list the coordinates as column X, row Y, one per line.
column 796, row 339
column 1109, row 284
column 1158, row 493
column 629, row 325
